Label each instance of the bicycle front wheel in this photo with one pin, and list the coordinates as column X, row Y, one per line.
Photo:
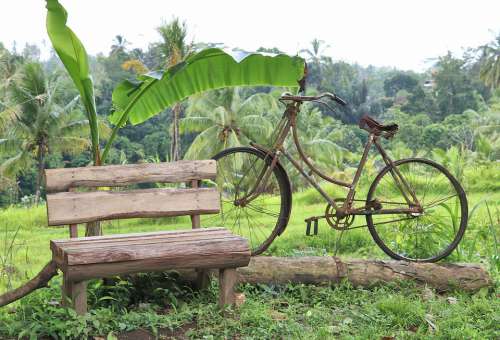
column 263, row 218
column 422, row 237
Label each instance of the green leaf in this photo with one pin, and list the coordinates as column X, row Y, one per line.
column 74, row 57
column 209, row 69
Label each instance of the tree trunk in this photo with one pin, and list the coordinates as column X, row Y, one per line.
column 93, row 229
column 174, row 148
column 360, row 273
column 39, row 176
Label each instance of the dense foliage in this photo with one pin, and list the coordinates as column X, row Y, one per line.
column 454, row 104
column 450, row 113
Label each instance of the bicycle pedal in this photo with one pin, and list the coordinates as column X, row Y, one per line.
column 308, row 227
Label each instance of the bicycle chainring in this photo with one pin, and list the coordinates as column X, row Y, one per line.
column 338, row 223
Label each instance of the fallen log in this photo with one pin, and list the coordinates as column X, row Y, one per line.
column 321, row 270
column 359, row 272
column 39, row 281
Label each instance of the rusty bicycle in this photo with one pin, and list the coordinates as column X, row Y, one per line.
column 415, row 209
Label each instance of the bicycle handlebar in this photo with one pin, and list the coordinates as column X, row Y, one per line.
column 332, row 96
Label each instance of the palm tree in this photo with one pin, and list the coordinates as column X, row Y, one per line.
column 119, row 45
column 314, row 59
column 490, row 66
column 174, row 49
column 318, row 47
column 35, row 124
column 8, row 66
column 224, row 119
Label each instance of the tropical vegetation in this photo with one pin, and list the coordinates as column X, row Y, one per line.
column 75, row 109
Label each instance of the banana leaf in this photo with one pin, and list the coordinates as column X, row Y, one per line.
column 208, row 69
column 74, row 57
column 212, row 68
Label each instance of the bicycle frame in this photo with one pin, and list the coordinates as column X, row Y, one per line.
column 288, row 123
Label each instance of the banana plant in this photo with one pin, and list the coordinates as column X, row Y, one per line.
column 151, row 93
column 74, row 57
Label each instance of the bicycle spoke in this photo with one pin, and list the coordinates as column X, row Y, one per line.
column 437, row 202
column 426, row 235
column 262, row 212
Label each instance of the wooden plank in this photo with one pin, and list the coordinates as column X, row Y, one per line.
column 74, row 294
column 95, row 246
column 164, row 236
column 227, row 280
column 195, row 219
column 135, row 235
column 121, row 175
column 73, row 228
column 203, row 279
column 143, row 251
column 79, row 297
column 82, row 207
column 57, row 246
column 203, row 260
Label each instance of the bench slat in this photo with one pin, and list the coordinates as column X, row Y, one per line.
column 151, row 239
column 206, row 259
column 58, row 180
column 203, row 248
column 105, row 238
column 81, row 207
column 133, row 252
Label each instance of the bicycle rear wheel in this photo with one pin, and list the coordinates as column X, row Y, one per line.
column 424, row 237
column 263, row 218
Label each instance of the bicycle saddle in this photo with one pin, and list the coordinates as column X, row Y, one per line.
column 371, row 125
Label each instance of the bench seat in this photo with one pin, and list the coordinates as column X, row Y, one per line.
column 105, row 256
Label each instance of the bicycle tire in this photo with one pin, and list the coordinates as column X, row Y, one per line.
column 285, row 196
column 458, row 234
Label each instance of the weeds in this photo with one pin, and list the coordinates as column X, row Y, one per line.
column 296, row 311
column 7, row 263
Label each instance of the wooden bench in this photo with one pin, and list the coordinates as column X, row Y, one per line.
column 85, row 258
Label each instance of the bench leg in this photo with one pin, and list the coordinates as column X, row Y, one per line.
column 77, row 293
column 202, row 279
column 227, row 281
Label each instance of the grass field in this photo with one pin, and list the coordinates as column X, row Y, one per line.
column 288, row 311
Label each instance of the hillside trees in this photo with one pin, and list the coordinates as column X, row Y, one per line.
column 36, row 124
column 490, row 63
column 453, row 90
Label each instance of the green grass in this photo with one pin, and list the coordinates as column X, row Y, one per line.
column 288, row 311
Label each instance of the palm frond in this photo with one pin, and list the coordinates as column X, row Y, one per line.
column 69, row 145
column 7, row 118
column 195, row 124
column 76, row 129
column 104, row 129
column 258, row 103
column 17, row 164
column 201, row 105
column 9, row 145
column 205, row 145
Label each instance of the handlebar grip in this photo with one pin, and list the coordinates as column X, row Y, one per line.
column 340, row 100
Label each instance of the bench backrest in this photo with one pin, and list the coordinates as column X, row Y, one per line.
column 66, row 206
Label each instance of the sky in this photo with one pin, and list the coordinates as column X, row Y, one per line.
column 407, row 34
